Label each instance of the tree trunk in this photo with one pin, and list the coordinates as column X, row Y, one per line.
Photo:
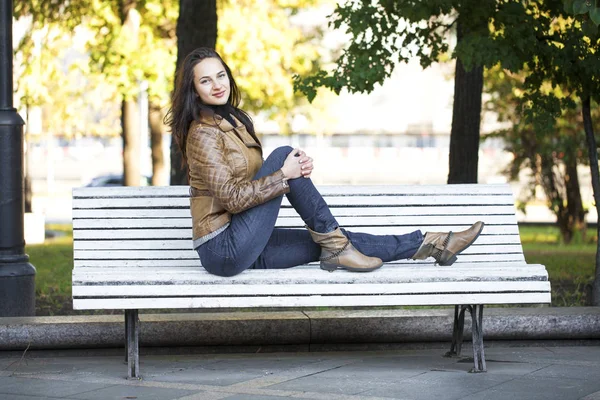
column 466, row 120
column 190, row 35
column 156, row 144
column 129, row 110
column 575, row 210
column 131, row 143
column 593, row 155
column 550, row 179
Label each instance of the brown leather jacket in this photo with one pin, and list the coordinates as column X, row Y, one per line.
column 222, row 161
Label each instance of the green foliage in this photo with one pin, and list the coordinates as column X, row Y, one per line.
column 384, row 33
column 46, row 75
column 579, row 7
column 264, row 48
column 125, row 56
column 551, row 155
column 68, row 13
column 565, row 56
column 76, row 60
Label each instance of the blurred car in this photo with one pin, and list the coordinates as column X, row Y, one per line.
column 115, row 180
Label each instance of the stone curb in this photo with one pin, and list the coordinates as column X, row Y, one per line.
column 296, row 328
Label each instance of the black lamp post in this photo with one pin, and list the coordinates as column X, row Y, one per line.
column 17, row 275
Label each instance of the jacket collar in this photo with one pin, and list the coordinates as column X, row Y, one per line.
column 222, row 124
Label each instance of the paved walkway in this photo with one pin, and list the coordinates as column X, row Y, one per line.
column 534, row 372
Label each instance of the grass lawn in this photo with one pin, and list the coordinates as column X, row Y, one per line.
column 571, row 268
column 53, row 262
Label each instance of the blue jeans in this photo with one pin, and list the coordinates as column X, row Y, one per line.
column 252, row 242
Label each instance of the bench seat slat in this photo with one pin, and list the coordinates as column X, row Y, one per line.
column 302, row 270
column 314, row 301
column 186, row 233
column 325, row 190
column 355, row 220
column 483, row 259
column 312, row 274
column 135, row 254
column 423, row 200
column 134, row 213
column 466, row 258
column 140, row 244
column 128, row 289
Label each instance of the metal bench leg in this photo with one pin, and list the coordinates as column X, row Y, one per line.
column 126, row 335
column 132, row 353
column 457, row 332
column 478, row 353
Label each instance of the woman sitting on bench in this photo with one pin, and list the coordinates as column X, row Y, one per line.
column 235, row 196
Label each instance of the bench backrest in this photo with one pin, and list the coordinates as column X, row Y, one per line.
column 151, row 226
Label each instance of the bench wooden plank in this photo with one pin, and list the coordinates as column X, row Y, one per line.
column 184, row 289
column 134, row 213
column 312, row 301
column 514, row 258
column 195, row 262
column 325, row 190
column 375, row 201
column 310, row 274
column 186, row 233
column 184, row 244
column 135, row 254
column 295, row 221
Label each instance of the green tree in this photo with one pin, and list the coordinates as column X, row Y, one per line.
column 129, row 42
column 47, row 78
column 552, row 157
column 133, row 44
column 384, row 33
column 566, row 55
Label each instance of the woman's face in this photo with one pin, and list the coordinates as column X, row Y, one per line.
column 211, row 82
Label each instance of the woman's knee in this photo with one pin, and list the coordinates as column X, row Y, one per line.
column 281, row 153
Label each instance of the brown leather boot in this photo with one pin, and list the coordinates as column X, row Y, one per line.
column 338, row 252
column 445, row 246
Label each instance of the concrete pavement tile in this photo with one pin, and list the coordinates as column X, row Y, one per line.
column 205, row 396
column 580, row 353
column 421, row 363
column 574, row 355
column 568, row 372
column 229, row 371
column 592, row 396
column 254, row 397
column 438, row 384
column 23, row 397
column 261, row 363
column 532, row 388
column 514, row 368
column 42, row 387
column 204, row 376
column 360, row 371
column 335, row 385
column 120, row 392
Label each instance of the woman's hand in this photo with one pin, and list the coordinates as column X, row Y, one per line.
column 297, row 164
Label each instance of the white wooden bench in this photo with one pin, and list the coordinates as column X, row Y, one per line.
column 133, row 250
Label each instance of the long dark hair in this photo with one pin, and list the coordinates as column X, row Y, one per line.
column 186, row 105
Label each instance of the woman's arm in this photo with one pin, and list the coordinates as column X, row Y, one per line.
column 206, row 158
